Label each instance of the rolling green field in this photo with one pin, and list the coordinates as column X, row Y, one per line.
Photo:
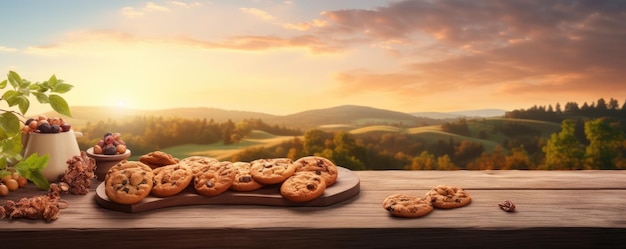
column 489, row 128
column 429, row 134
column 221, row 151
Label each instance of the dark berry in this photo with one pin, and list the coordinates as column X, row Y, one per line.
column 109, row 150
column 28, row 121
column 55, row 129
column 107, row 134
column 44, row 128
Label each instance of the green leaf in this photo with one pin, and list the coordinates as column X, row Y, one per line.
column 59, row 105
column 62, row 88
column 52, row 82
column 11, row 147
column 14, row 79
column 23, row 90
column 32, row 168
column 3, row 84
column 42, row 98
column 9, row 97
column 23, row 104
column 10, row 123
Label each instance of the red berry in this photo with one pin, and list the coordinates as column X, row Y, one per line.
column 66, row 126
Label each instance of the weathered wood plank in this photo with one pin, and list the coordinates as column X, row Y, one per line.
column 569, row 208
column 495, row 179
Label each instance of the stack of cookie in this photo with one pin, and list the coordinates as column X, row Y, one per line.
column 441, row 196
column 162, row 175
column 312, row 175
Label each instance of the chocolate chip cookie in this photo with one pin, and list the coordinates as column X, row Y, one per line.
column 128, row 182
column 243, row 178
column 171, row 179
column 447, row 197
column 407, row 206
column 197, row 162
column 303, row 186
column 213, row 179
column 320, row 166
column 157, row 159
column 272, row 171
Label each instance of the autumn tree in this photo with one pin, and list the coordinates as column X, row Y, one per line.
column 489, row 161
column 228, row 129
column 425, row 161
column 605, row 143
column 315, row 141
column 344, row 150
column 445, row 163
column 563, row 150
column 518, row 159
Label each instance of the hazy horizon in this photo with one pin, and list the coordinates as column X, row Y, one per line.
column 282, row 57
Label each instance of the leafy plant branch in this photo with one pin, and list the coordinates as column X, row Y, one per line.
column 11, row 147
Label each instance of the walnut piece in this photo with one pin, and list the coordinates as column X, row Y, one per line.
column 44, row 207
column 79, row 173
column 507, row 206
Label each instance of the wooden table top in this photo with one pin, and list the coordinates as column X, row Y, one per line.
column 573, row 209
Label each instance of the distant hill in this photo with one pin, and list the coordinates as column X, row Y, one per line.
column 349, row 115
column 480, row 113
column 81, row 115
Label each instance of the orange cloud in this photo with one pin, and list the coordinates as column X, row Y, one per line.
column 518, row 49
column 260, row 43
column 258, row 13
column 303, row 26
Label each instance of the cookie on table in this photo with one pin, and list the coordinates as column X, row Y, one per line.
column 446, row 197
column 128, row 182
column 272, row 171
column 197, row 162
column 407, row 206
column 243, row 178
column 213, row 179
column 171, row 179
column 157, row 159
column 320, row 166
column 303, row 186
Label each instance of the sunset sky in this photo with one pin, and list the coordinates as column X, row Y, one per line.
column 282, row 57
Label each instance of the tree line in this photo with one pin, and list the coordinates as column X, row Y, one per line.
column 600, row 108
column 150, row 133
column 581, row 143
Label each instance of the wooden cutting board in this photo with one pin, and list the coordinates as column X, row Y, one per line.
column 347, row 186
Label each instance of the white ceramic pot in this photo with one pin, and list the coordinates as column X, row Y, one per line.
column 60, row 147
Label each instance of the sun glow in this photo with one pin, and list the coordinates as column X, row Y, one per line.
column 121, row 104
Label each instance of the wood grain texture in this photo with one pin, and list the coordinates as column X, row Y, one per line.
column 559, row 209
